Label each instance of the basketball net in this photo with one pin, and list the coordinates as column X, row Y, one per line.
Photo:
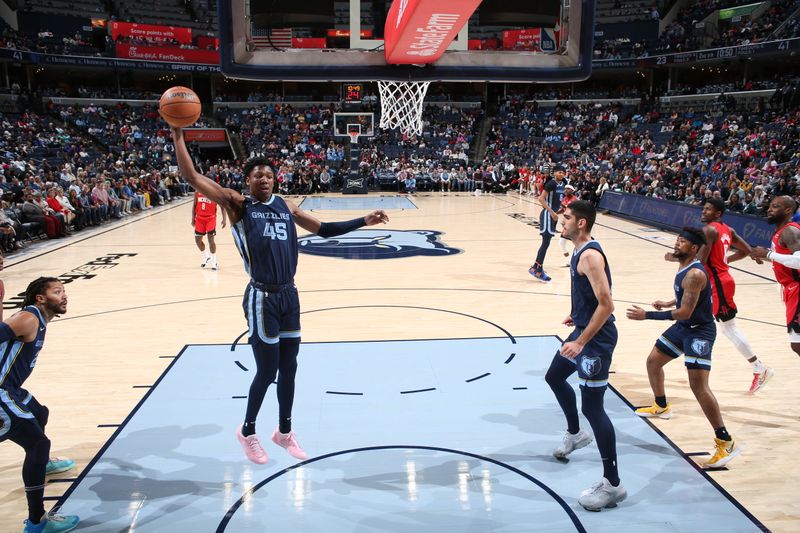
column 401, row 105
column 354, row 135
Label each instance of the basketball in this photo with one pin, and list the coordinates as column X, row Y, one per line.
column 179, row 106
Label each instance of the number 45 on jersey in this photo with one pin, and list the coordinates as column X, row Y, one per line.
column 276, row 231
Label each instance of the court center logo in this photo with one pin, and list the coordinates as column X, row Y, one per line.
column 377, row 244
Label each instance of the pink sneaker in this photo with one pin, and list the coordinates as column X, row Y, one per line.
column 252, row 447
column 290, row 443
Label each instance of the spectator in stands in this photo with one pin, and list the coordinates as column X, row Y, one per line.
column 750, row 206
column 734, row 204
column 100, row 199
column 325, row 179
column 41, row 200
column 34, row 212
column 91, row 206
column 82, row 214
column 410, row 182
column 8, row 231
column 58, row 207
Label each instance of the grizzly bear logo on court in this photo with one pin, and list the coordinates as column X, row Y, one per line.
column 377, row 244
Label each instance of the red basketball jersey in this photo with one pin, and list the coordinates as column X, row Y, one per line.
column 783, row 274
column 205, row 208
column 718, row 257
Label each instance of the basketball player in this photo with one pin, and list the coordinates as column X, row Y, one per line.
column 204, row 220
column 693, row 334
column 263, row 228
column 785, row 257
column 569, row 197
column 550, row 201
column 588, row 351
column 714, row 255
column 22, row 418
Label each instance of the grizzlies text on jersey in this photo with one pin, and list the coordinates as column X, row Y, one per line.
column 267, row 241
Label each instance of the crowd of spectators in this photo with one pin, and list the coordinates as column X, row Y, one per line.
column 79, row 165
column 743, row 156
column 55, row 179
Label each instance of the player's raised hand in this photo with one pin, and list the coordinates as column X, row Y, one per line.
column 376, row 217
column 635, row 313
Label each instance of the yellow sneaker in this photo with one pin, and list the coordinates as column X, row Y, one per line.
column 654, row 411
column 725, row 451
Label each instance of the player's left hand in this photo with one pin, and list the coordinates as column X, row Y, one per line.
column 376, row 217
column 572, row 349
column 759, row 252
column 568, row 321
column 635, row 313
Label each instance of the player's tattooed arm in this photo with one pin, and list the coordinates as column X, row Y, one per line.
column 694, row 282
column 790, row 238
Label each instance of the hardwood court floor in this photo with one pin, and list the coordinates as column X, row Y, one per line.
column 139, row 295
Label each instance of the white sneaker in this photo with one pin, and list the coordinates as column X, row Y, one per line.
column 205, row 259
column 602, row 495
column 571, row 442
column 214, row 265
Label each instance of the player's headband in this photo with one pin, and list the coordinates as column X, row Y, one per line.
column 692, row 237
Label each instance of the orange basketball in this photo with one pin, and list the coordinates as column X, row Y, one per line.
column 179, row 106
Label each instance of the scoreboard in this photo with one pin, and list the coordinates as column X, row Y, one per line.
column 353, row 92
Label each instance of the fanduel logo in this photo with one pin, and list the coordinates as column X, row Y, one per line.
column 377, row 244
column 429, row 39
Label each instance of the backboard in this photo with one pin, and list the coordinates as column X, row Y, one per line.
column 342, row 40
column 344, row 124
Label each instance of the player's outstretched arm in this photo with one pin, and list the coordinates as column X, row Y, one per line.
column 228, row 199
column 790, row 238
column 331, row 229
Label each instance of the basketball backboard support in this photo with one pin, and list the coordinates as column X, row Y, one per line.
column 342, row 40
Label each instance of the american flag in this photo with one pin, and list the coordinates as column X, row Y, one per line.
column 272, row 37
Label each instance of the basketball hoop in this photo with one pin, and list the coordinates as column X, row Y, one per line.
column 401, row 105
column 354, row 135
